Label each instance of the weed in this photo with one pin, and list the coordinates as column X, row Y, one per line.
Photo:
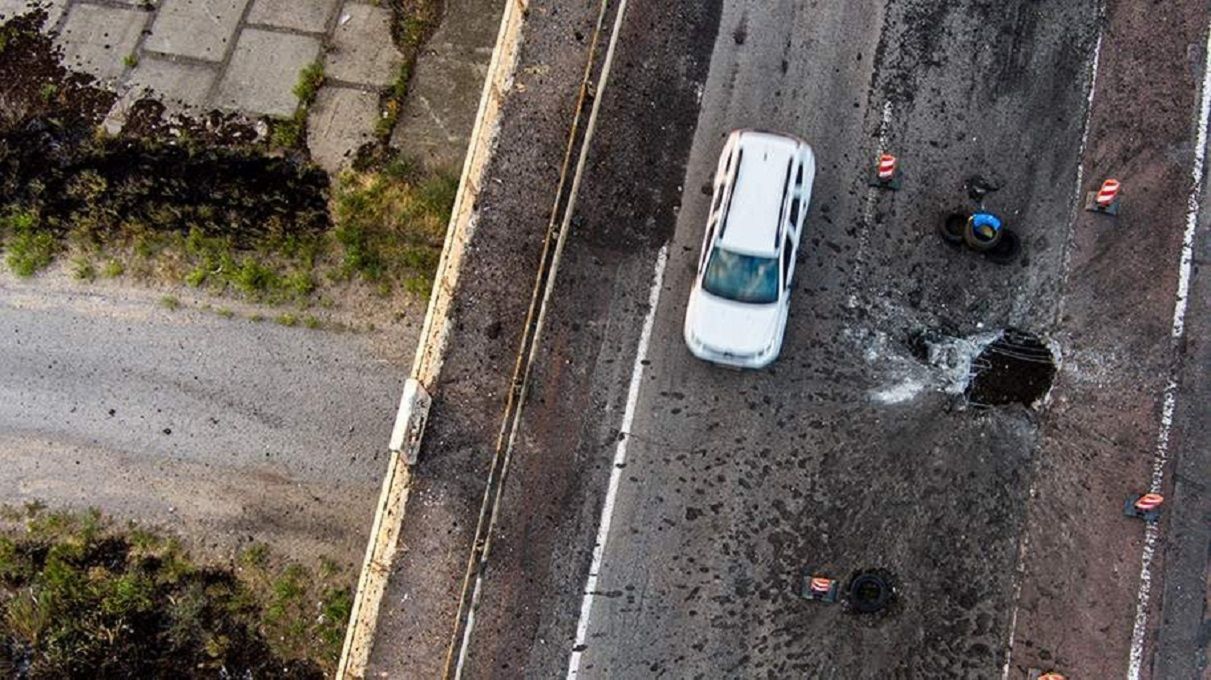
column 287, row 319
column 311, row 322
column 255, row 555
column 289, row 133
column 309, row 82
column 225, row 312
column 48, row 91
column 254, row 278
column 197, row 275
column 299, row 283
column 131, row 60
column 170, row 303
column 83, row 269
column 112, row 269
column 28, row 247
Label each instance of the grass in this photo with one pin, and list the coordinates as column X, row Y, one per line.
column 83, row 269
column 309, row 82
column 390, row 224
column 131, row 60
column 27, row 248
column 83, row 597
column 291, row 133
column 381, row 226
column 170, row 303
column 112, row 269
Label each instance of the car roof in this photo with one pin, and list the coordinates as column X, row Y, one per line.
column 753, row 223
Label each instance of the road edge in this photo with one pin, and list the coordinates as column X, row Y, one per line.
column 430, row 352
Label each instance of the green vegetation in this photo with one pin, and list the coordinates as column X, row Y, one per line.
column 80, row 597
column 287, row 319
column 390, row 224
column 211, row 207
column 309, row 82
column 27, row 248
column 170, row 303
column 131, row 60
column 291, row 133
column 112, row 269
column 83, row 269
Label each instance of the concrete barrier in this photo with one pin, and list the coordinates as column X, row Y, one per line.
column 414, row 405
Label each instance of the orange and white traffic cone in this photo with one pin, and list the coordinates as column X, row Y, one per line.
column 1106, row 199
column 1145, row 506
column 886, row 173
column 819, row 588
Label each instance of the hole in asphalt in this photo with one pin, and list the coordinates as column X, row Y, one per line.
column 1016, row 368
column 870, row 592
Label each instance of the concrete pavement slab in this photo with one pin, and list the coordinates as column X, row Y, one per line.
column 362, row 51
column 54, row 9
column 201, row 29
column 308, row 15
column 97, row 40
column 341, row 120
column 174, row 83
column 435, row 122
column 264, row 70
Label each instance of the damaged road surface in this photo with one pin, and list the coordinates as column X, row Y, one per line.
column 855, row 455
column 738, row 482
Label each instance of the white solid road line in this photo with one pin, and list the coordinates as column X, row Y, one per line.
column 1161, row 454
column 620, row 459
column 1024, row 546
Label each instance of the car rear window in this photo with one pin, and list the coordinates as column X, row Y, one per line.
column 742, row 278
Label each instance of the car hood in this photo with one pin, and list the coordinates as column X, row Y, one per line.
column 732, row 327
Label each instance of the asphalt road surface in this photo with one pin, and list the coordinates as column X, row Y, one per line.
column 848, row 454
column 224, row 429
column 1000, row 528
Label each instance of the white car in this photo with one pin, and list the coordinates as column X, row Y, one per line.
column 738, row 306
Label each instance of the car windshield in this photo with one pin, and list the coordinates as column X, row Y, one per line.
column 743, row 278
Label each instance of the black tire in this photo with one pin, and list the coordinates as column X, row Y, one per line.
column 976, row 243
column 869, row 593
column 1008, row 250
column 951, row 228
